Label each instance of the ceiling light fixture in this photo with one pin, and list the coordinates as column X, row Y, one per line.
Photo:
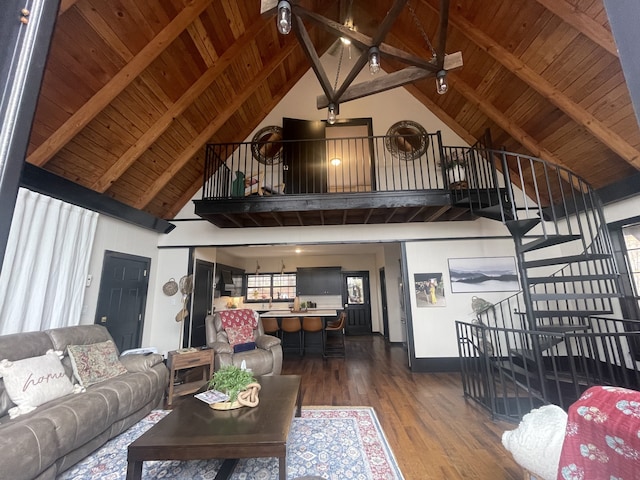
column 331, row 114
column 284, row 17
column 441, row 82
column 374, row 60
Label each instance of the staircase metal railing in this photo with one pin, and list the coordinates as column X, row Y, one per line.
column 550, row 341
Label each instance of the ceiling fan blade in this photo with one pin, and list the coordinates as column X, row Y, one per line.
column 266, row 5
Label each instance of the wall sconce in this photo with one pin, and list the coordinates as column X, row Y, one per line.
column 257, row 267
column 441, row 82
column 335, row 162
column 282, row 267
column 284, row 17
column 331, row 114
column 374, row 60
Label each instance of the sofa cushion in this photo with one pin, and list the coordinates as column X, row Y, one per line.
column 33, row 381
column 95, row 363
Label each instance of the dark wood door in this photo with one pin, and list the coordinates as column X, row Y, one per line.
column 357, row 304
column 304, row 162
column 122, row 297
column 202, row 302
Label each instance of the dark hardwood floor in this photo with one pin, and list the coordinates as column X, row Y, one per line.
column 435, row 434
column 433, row 431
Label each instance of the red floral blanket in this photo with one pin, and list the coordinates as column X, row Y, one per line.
column 602, row 440
column 238, row 318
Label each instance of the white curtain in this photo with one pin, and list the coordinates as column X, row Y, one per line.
column 46, row 262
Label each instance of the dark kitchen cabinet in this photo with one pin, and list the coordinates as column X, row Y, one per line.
column 319, row 281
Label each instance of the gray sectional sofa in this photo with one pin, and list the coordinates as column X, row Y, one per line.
column 56, row 435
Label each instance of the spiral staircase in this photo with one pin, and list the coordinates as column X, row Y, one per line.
column 558, row 335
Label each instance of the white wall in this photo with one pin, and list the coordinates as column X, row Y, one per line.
column 434, row 327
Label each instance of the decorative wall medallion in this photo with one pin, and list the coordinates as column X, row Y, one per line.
column 407, row 140
column 267, row 146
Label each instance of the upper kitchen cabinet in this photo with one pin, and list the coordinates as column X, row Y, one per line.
column 319, row 281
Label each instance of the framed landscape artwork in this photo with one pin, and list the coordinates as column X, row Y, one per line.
column 483, row 274
column 429, row 290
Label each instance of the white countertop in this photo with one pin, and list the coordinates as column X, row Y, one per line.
column 313, row 312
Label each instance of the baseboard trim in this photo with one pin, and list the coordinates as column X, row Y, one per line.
column 440, row 364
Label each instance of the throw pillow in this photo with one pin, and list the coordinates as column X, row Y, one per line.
column 34, row 381
column 239, row 334
column 95, row 362
column 244, row 347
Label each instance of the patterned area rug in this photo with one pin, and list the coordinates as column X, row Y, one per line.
column 333, row 443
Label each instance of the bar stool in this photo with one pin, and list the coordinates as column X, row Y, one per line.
column 312, row 325
column 292, row 325
column 335, row 329
column 270, row 326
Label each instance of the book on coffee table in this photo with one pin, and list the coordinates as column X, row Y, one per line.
column 212, row 396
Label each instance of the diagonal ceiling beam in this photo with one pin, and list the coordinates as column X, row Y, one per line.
column 160, row 126
column 219, row 120
column 275, row 99
column 583, row 23
column 117, row 84
column 604, row 134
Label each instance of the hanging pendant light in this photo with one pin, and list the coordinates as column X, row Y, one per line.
column 441, row 82
column 374, row 60
column 331, row 115
column 284, row 17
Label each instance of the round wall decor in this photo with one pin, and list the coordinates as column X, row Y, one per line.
column 266, row 145
column 406, row 140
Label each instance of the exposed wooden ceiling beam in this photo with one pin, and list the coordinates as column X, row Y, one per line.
column 197, row 185
column 65, row 5
column 117, row 84
column 535, row 81
column 442, row 32
column 160, row 126
column 219, row 120
column 583, row 23
column 504, row 123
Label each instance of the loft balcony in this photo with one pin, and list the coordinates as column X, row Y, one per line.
column 339, row 181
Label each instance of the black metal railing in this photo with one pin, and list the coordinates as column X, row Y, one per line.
column 342, row 165
column 501, row 372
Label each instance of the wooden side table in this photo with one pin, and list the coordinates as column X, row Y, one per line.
column 181, row 361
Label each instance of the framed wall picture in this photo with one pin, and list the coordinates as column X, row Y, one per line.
column 483, row 274
column 429, row 290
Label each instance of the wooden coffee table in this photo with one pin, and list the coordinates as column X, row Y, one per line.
column 194, row 431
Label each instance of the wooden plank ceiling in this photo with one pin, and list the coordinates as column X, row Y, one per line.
column 133, row 90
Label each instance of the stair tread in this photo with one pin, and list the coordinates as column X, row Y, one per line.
column 563, row 328
column 571, row 278
column 545, row 262
column 572, row 296
column 520, row 227
column 565, row 313
column 548, row 241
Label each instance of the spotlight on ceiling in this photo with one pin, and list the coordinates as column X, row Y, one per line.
column 284, row 17
column 441, row 82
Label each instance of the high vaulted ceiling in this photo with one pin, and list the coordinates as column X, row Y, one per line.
column 134, row 90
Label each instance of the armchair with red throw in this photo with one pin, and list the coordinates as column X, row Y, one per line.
column 237, row 336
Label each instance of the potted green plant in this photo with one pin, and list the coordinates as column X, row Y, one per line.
column 234, row 381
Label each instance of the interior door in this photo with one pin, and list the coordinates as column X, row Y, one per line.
column 122, row 297
column 304, row 162
column 357, row 304
column 385, row 310
column 202, row 302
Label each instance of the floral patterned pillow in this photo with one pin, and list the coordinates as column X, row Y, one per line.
column 239, row 334
column 95, row 363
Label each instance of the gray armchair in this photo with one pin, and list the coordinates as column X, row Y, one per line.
column 265, row 359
